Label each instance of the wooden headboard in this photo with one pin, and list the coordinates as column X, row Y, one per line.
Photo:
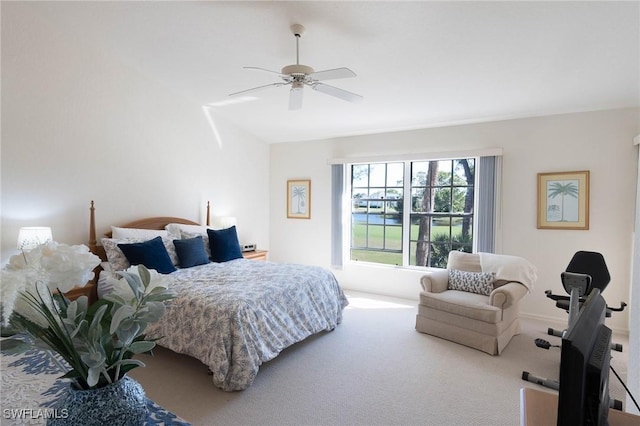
column 149, row 223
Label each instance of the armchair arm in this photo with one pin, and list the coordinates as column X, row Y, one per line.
column 507, row 295
column 435, row 281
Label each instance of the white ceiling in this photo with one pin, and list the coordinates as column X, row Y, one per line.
column 419, row 64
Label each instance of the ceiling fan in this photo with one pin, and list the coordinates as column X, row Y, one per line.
column 298, row 75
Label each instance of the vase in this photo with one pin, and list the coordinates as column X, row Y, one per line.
column 120, row 403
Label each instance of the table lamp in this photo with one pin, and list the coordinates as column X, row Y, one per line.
column 223, row 222
column 32, row 236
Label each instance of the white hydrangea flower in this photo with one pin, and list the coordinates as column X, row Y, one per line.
column 67, row 266
column 58, row 266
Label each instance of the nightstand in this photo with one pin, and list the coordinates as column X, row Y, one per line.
column 255, row 255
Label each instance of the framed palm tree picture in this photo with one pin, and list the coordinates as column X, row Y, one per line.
column 563, row 200
column 299, row 199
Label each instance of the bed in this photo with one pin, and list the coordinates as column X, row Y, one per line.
column 235, row 315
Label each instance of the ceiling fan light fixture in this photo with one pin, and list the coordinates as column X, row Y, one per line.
column 295, row 95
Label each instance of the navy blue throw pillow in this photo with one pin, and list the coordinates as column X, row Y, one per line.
column 151, row 254
column 224, row 244
column 191, row 252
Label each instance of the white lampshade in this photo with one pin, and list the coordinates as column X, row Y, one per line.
column 32, row 236
column 223, row 222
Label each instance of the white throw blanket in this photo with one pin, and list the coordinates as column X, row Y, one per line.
column 511, row 268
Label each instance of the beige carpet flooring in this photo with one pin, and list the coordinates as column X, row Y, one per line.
column 373, row 369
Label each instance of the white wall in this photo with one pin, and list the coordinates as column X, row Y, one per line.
column 598, row 141
column 80, row 125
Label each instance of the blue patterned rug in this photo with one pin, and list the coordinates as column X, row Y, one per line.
column 30, row 384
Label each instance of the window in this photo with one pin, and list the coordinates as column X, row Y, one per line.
column 412, row 212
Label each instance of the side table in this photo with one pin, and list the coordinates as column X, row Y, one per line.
column 255, row 255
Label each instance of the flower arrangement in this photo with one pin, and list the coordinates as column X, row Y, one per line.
column 97, row 342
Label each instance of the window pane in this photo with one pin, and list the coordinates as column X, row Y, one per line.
column 395, row 174
column 359, row 218
column 439, row 255
column 412, row 253
column 421, row 201
column 418, row 223
column 358, row 235
column 393, row 238
column 444, row 173
column 376, row 219
column 421, row 253
column 419, row 173
column 360, row 175
column 394, row 211
column 442, row 201
column 359, row 203
column 375, row 236
column 377, row 174
column 463, row 199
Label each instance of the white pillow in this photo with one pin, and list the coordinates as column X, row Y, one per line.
column 115, row 256
column 140, row 234
column 177, row 228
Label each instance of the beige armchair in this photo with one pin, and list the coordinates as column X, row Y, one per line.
column 482, row 321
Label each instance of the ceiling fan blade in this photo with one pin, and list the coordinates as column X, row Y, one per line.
column 338, row 93
column 263, row 69
column 295, row 98
column 332, row 74
column 255, row 89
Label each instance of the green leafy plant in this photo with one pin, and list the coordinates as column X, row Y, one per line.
column 97, row 342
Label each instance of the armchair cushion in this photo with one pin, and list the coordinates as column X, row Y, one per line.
column 473, row 282
column 462, row 303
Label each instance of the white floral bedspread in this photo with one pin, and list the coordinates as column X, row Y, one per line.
column 234, row 316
